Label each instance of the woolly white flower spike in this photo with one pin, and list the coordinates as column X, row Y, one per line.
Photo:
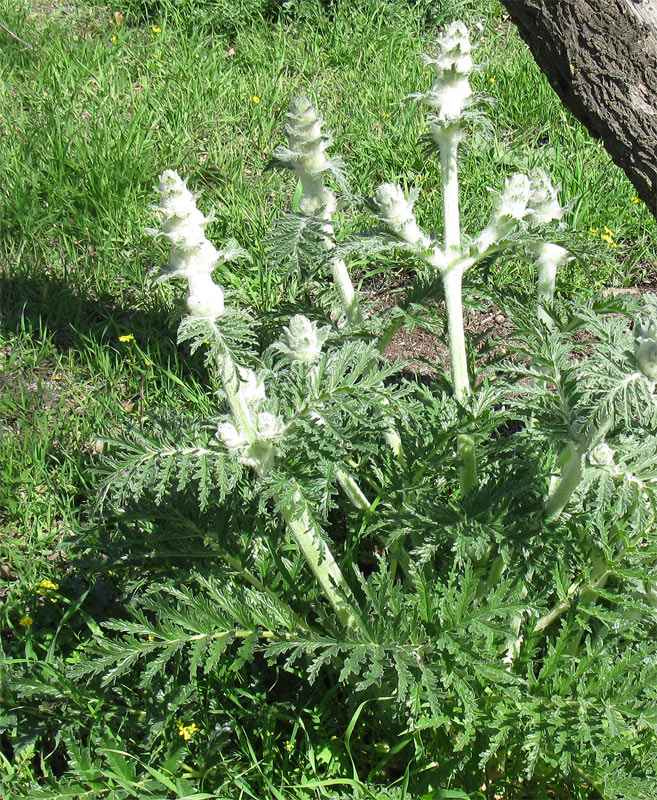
column 303, row 339
column 396, row 212
column 543, row 201
column 645, row 349
column 193, row 257
column 451, row 93
column 305, row 155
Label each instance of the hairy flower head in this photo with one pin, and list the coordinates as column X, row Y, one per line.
column 306, row 141
column 544, row 204
column 510, row 207
column 512, row 202
column 451, row 92
column 601, row 455
column 258, row 452
column 645, row 349
column 193, row 257
column 396, row 212
column 303, row 340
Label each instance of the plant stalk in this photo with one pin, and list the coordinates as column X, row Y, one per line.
column 449, row 142
column 452, row 282
column 304, row 529
column 310, row 541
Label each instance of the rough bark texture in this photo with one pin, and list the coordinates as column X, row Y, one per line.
column 600, row 56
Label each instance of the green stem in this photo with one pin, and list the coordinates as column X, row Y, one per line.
column 345, row 287
column 352, row 490
column 571, row 467
column 317, row 196
column 310, row 541
column 304, row 529
column 598, row 581
column 389, row 334
column 571, row 476
column 230, row 381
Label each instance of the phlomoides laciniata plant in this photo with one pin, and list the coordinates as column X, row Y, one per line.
column 479, row 557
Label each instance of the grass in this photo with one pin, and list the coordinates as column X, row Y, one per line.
column 90, row 114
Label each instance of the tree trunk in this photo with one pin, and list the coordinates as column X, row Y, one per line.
column 600, row 57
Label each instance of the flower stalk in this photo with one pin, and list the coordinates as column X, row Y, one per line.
column 253, row 434
column 306, row 157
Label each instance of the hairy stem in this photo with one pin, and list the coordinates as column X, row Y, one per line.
column 449, row 143
column 304, row 529
column 310, row 541
column 452, row 280
column 316, row 196
column 569, row 480
column 571, row 467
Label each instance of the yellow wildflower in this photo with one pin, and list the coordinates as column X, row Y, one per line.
column 635, row 199
column 289, row 746
column 186, row 731
column 112, row 38
column 155, row 29
column 26, row 621
column 127, row 337
column 386, row 114
column 593, row 231
column 47, row 585
column 492, row 80
column 255, row 99
column 608, row 231
column 608, row 238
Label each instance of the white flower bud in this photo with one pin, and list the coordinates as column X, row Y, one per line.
column 601, row 455
column 188, row 260
column 230, row 436
column 450, row 97
column 269, row 425
column 303, row 340
column 512, row 202
column 258, row 452
column 396, row 213
column 510, row 207
column 303, row 125
column 646, row 350
column 208, row 304
column 453, row 48
column 544, row 204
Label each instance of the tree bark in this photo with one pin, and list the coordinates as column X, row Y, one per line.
column 600, row 57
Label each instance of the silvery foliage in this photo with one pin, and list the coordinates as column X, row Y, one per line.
column 512, row 620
